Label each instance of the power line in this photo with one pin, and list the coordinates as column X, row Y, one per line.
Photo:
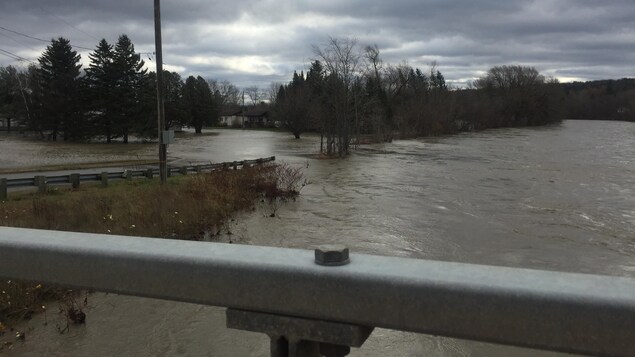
column 14, row 56
column 75, row 46
column 80, row 30
column 38, row 39
column 16, row 41
column 23, row 34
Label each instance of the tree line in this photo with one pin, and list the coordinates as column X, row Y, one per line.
column 113, row 98
column 349, row 94
column 601, row 100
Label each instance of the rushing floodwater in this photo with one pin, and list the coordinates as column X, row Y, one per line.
column 556, row 198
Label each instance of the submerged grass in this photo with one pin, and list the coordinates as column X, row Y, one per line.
column 188, row 207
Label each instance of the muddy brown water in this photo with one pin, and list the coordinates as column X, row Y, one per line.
column 556, row 198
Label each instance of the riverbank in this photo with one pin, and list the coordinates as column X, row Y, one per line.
column 196, row 207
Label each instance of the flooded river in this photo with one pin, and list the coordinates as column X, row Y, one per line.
column 557, row 198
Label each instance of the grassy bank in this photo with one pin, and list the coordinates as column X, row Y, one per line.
column 188, row 207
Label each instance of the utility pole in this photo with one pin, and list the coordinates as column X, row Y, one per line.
column 243, row 110
column 163, row 147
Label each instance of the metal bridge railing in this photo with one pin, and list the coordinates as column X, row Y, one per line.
column 41, row 182
column 320, row 302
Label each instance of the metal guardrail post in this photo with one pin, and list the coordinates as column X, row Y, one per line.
column 300, row 337
column 104, row 179
column 149, row 173
column 198, row 169
column 127, row 174
column 74, row 180
column 183, row 170
column 40, row 182
column 293, row 336
column 235, row 165
column 3, row 189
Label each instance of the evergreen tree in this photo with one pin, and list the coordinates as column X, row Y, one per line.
column 59, row 79
column 173, row 91
column 292, row 105
column 9, row 94
column 100, row 76
column 130, row 79
column 198, row 101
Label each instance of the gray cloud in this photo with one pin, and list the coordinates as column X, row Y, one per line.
column 259, row 41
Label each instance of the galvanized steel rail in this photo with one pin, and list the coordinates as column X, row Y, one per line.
column 567, row 312
column 6, row 184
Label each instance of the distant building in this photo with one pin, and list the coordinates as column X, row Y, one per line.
column 231, row 118
column 257, row 119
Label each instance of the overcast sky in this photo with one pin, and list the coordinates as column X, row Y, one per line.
column 260, row 41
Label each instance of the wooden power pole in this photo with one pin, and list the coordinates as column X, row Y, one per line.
column 163, row 147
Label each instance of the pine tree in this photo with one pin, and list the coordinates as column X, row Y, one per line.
column 59, row 80
column 100, row 76
column 129, row 79
column 173, row 92
column 198, row 101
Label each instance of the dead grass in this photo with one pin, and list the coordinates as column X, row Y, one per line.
column 190, row 207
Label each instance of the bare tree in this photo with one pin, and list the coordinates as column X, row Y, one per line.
column 341, row 59
column 255, row 95
column 272, row 91
column 227, row 92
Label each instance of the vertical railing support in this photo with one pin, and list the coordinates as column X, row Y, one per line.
column 183, row 170
column 235, row 165
column 3, row 189
column 301, row 337
column 74, row 180
column 198, row 169
column 104, row 179
column 150, row 173
column 40, row 182
column 127, row 174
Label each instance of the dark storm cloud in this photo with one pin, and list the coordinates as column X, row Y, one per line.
column 259, row 41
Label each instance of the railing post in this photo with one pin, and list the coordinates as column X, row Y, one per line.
column 235, row 165
column 3, row 189
column 104, row 179
column 127, row 174
column 150, row 173
column 293, row 336
column 183, row 170
column 198, row 169
column 40, row 182
column 74, row 180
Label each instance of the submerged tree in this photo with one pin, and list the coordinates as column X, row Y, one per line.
column 199, row 103
column 525, row 97
column 291, row 107
column 341, row 60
